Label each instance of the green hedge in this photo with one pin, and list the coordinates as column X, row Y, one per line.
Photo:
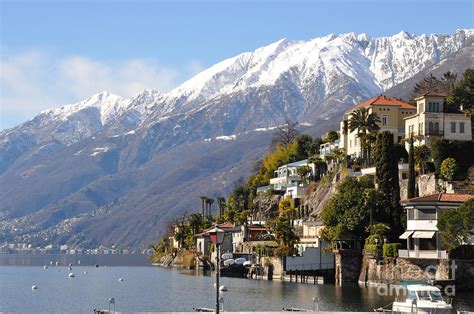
column 462, row 151
column 372, row 249
column 462, row 252
column 391, row 249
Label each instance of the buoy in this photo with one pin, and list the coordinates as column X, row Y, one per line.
column 120, row 279
column 71, row 275
column 57, row 263
column 34, row 287
column 223, row 288
column 85, row 271
column 96, row 265
column 45, row 267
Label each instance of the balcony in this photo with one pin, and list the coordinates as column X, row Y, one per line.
column 423, row 254
column 434, row 133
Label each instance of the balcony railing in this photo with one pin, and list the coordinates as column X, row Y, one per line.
column 434, row 133
column 425, row 254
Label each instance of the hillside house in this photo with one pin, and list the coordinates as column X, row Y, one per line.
column 431, row 122
column 422, row 236
column 391, row 113
column 288, row 181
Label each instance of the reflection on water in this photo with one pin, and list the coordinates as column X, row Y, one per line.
column 158, row 289
column 65, row 259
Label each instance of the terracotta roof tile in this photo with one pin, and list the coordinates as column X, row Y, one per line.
column 383, row 100
column 442, row 197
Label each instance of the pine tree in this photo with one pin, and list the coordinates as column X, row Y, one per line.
column 387, row 180
column 411, row 170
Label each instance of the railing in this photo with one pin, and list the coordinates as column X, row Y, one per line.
column 314, row 266
column 434, row 133
column 426, row 254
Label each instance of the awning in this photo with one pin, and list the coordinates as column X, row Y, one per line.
column 424, row 234
column 405, row 235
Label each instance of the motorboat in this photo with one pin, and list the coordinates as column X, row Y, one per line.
column 420, row 298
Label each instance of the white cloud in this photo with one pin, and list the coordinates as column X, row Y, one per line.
column 34, row 81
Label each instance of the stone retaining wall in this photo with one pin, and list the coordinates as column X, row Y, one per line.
column 348, row 265
column 396, row 270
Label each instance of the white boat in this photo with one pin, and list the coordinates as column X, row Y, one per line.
column 420, row 298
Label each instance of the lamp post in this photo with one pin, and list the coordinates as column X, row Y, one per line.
column 217, row 237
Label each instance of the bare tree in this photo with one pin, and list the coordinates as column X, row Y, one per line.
column 285, row 134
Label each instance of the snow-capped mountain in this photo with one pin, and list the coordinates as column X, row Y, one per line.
column 109, row 157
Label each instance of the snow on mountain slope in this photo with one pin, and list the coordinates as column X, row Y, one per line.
column 387, row 61
column 109, row 106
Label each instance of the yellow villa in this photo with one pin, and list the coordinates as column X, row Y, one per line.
column 392, row 113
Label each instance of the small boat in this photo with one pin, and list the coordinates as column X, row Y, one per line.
column 71, row 275
column 420, row 298
column 226, row 256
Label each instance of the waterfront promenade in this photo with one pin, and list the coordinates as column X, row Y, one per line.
column 277, row 312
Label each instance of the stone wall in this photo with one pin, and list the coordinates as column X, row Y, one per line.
column 425, row 185
column 396, row 270
column 348, row 265
column 273, row 268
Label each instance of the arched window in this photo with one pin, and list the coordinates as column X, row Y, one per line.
column 430, row 127
column 436, row 127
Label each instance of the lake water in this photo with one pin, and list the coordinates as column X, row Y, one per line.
column 146, row 288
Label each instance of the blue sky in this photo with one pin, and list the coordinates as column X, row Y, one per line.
column 58, row 52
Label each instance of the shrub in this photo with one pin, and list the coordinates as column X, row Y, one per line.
column 455, row 224
column 391, row 249
column 462, row 252
column 448, row 168
column 373, row 249
column 462, row 151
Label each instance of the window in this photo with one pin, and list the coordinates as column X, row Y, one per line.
column 436, row 128
column 430, row 128
column 436, row 107
column 461, row 127
column 426, row 214
column 453, row 127
column 350, row 143
column 384, row 120
column 420, row 128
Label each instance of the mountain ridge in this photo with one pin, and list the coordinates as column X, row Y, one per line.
column 124, row 164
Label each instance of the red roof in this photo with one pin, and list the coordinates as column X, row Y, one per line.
column 383, row 100
column 441, row 197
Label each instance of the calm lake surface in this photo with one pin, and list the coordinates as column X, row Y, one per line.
column 146, row 288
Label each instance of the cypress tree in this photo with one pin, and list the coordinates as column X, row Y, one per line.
column 411, row 170
column 387, row 181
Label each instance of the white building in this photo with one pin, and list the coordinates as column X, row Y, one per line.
column 327, row 149
column 430, row 122
column 312, row 250
column 422, row 236
column 287, row 179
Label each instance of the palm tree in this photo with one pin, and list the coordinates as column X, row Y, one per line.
column 364, row 123
column 449, row 80
column 221, row 205
column 203, row 201
column 195, row 221
column 422, row 154
column 209, row 202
